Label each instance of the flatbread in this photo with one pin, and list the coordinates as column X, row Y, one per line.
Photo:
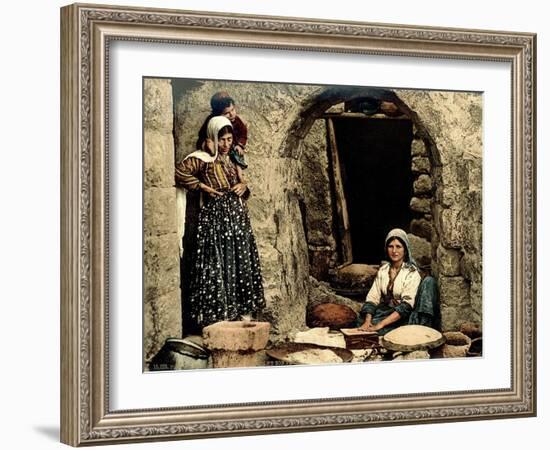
column 410, row 338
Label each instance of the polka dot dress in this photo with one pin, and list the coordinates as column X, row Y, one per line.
column 226, row 281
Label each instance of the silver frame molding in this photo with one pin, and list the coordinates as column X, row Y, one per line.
column 86, row 31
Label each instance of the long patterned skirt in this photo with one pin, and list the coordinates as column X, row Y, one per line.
column 226, row 281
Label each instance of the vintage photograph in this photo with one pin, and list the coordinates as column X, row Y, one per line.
column 290, row 224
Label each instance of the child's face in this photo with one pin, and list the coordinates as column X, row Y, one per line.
column 230, row 112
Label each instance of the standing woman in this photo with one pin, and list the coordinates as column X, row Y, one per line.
column 391, row 299
column 226, row 282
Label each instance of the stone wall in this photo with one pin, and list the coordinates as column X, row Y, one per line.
column 450, row 126
column 323, row 253
column 162, row 296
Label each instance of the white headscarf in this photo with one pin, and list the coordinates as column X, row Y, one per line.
column 215, row 124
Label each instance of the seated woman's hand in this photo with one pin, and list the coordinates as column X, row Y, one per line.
column 376, row 327
column 365, row 327
column 239, row 189
column 370, row 327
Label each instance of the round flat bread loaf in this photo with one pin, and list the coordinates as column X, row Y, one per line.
column 410, row 338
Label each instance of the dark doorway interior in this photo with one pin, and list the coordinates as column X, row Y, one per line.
column 375, row 156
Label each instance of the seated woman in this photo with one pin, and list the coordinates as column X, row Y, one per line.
column 225, row 280
column 395, row 298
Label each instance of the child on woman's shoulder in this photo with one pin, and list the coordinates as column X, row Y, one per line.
column 223, row 105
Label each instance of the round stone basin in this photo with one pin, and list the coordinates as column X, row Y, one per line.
column 241, row 336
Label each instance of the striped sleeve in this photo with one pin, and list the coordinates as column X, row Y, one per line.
column 186, row 173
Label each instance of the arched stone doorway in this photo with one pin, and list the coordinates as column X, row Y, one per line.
column 370, row 164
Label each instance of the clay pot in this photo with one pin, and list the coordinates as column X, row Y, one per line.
column 331, row 315
column 456, row 345
column 180, row 354
column 470, row 329
column 476, row 348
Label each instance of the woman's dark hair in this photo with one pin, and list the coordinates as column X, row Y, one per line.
column 219, row 102
column 402, row 243
column 225, row 130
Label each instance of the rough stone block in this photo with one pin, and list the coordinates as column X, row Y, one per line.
column 471, row 267
column 422, row 205
column 421, row 249
column 472, row 222
column 453, row 316
column 452, row 228
column 418, row 148
column 423, row 184
column 320, row 262
column 321, row 292
column 320, row 233
column 241, row 336
column 286, row 268
column 410, row 356
column 158, row 159
column 161, row 265
column 448, row 261
column 470, row 329
column 476, row 299
column 162, row 320
column 222, row 359
column 159, row 211
column 454, row 291
column 455, row 189
column 421, row 164
column 422, row 228
column 157, row 105
column 356, row 275
column 447, row 195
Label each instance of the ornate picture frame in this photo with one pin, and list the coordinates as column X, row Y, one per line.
column 87, row 32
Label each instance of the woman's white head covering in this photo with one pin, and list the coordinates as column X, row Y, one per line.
column 215, row 124
column 401, row 234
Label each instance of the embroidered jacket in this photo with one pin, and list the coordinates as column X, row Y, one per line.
column 404, row 290
column 221, row 174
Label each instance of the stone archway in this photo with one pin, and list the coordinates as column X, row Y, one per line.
column 307, row 133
